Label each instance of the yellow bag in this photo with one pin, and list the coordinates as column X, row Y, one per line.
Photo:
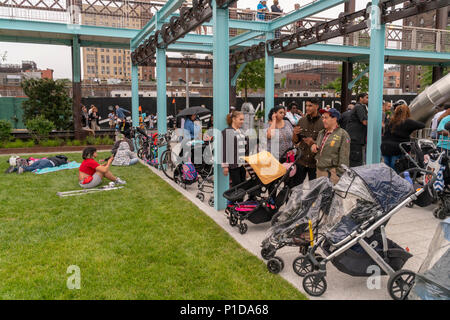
column 266, row 166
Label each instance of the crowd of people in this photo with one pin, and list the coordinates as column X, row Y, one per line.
column 325, row 139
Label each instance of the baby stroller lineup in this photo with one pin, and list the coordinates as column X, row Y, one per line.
column 345, row 222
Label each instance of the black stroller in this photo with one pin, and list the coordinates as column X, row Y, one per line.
column 266, row 191
column 353, row 234
column 297, row 223
column 432, row 282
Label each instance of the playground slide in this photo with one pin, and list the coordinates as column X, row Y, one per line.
column 423, row 106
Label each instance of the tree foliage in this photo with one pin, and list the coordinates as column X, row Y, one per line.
column 39, row 128
column 50, row 99
column 427, row 77
column 252, row 77
column 362, row 85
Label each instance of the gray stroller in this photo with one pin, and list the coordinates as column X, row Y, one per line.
column 353, row 236
column 432, row 282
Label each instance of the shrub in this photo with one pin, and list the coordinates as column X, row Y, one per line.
column 39, row 128
column 76, row 143
column 18, row 144
column 5, row 130
column 51, row 143
column 90, row 140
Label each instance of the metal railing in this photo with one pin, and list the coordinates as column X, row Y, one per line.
column 135, row 14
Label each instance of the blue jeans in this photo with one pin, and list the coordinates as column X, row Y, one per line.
column 390, row 161
column 40, row 164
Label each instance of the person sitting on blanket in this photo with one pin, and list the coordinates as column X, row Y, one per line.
column 30, row 165
column 91, row 173
column 124, row 156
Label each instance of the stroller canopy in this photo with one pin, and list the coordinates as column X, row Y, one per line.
column 266, row 166
column 433, row 278
column 385, row 186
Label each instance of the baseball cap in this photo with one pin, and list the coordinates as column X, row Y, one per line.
column 333, row 112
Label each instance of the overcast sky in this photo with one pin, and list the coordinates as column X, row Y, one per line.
column 58, row 58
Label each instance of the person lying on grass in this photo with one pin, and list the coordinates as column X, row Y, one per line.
column 91, row 173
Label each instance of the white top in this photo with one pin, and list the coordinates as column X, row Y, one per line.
column 434, row 122
column 293, row 118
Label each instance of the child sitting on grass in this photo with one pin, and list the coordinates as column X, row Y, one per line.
column 91, row 173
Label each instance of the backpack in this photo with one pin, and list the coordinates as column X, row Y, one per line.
column 188, row 172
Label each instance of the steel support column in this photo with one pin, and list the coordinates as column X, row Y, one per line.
column 221, row 84
column 376, row 73
column 270, row 80
column 76, row 87
column 161, row 90
column 135, row 95
column 346, row 93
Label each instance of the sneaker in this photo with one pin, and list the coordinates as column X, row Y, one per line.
column 10, row 169
column 20, row 170
column 120, row 181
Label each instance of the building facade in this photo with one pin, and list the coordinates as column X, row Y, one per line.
column 113, row 65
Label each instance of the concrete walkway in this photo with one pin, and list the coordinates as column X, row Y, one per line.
column 411, row 227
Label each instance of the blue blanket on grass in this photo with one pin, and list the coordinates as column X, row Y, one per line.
column 70, row 165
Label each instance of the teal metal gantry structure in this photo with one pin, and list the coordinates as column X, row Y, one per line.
column 220, row 48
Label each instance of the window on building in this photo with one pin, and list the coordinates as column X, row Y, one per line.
column 102, row 58
column 107, row 70
column 115, row 71
column 107, row 59
column 103, row 69
column 102, row 50
column 119, row 58
column 114, row 59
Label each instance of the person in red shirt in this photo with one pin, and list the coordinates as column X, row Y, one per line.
column 91, row 172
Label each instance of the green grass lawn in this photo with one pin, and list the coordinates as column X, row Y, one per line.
column 145, row 241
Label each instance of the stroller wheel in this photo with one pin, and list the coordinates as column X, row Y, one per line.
column 315, row 284
column 200, row 196
column 233, row 220
column 400, row 283
column 441, row 214
column 410, row 205
column 302, row 266
column 211, row 202
column 275, row 265
column 268, row 252
column 243, row 228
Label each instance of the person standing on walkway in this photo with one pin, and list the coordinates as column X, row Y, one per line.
column 94, row 117
column 305, row 134
column 397, row 131
column 292, row 113
column 120, row 112
column 262, row 9
column 332, row 147
column 235, row 146
column 345, row 116
column 277, row 9
column 435, row 121
column 357, row 129
column 279, row 133
column 443, row 134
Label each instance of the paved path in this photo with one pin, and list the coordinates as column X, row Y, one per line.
column 411, row 227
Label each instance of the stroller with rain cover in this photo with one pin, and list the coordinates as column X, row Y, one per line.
column 432, row 282
column 267, row 190
column 297, row 223
column 353, row 236
column 424, row 154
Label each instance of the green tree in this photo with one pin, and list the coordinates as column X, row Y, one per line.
column 252, row 77
column 362, row 85
column 427, row 77
column 49, row 98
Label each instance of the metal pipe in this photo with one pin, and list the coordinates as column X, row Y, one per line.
column 423, row 106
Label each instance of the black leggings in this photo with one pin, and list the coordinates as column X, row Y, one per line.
column 237, row 175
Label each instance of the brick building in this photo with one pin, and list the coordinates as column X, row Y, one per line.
column 107, row 63
column 411, row 75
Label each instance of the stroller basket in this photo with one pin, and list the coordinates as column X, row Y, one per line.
column 356, row 261
column 238, row 192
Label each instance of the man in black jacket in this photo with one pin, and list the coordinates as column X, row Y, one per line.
column 357, row 129
column 345, row 116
